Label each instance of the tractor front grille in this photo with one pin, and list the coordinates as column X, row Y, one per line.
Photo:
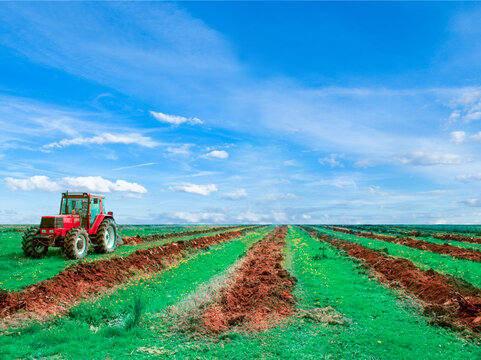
column 51, row 222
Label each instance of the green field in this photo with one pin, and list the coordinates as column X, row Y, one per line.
column 341, row 311
column 17, row 271
column 469, row 271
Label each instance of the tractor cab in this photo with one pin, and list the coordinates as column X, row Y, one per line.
column 86, row 206
column 81, row 213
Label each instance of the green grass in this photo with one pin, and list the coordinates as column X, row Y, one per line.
column 467, row 270
column 145, row 230
column 85, row 334
column 380, row 325
column 18, row 271
column 461, row 244
column 465, row 230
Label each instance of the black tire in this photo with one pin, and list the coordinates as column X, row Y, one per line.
column 107, row 237
column 76, row 243
column 30, row 245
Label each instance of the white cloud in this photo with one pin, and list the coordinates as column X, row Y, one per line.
column 474, row 115
column 279, row 197
column 425, row 158
column 131, row 196
column 474, row 202
column 251, row 217
column 471, row 177
column 203, row 190
column 105, row 138
column 339, row 182
column 219, row 154
column 99, row 184
column 269, row 217
column 476, row 137
column 196, row 217
column 364, row 163
column 134, row 166
column 175, row 119
column 235, row 195
column 38, row 182
column 291, row 163
column 81, row 183
column 279, row 216
column 201, row 173
column 434, row 192
column 467, row 106
column 179, row 150
column 331, row 160
column 376, row 190
column 458, row 137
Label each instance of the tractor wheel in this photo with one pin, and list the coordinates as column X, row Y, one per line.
column 107, row 236
column 30, row 246
column 76, row 243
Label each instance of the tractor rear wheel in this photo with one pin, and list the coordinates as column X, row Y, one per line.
column 76, row 243
column 107, row 237
column 30, row 245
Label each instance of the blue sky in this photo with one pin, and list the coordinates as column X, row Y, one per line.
column 211, row 112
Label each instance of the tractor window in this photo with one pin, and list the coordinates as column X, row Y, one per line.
column 74, row 206
column 94, row 209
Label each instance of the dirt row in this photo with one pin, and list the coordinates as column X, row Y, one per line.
column 83, row 279
column 455, row 251
column 455, row 237
column 420, row 233
column 453, row 302
column 137, row 239
column 261, row 292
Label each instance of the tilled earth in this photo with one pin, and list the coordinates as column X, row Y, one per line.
column 86, row 278
column 261, row 292
column 446, row 249
column 454, row 303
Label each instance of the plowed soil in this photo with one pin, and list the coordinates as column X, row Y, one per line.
column 86, row 278
column 137, row 239
column 455, row 251
column 456, row 237
column 452, row 302
column 261, row 292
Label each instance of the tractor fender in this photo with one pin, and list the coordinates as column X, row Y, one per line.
column 97, row 223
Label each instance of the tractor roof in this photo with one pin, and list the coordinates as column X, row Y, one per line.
column 82, row 194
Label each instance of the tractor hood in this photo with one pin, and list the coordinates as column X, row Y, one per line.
column 60, row 221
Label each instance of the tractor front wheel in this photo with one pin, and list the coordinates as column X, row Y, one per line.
column 76, row 243
column 107, row 237
column 30, row 245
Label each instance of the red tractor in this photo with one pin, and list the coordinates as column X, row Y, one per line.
column 82, row 222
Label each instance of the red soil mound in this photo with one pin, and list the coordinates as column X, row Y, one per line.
column 137, row 239
column 83, row 279
column 456, row 237
column 454, row 302
column 455, row 251
column 261, row 292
